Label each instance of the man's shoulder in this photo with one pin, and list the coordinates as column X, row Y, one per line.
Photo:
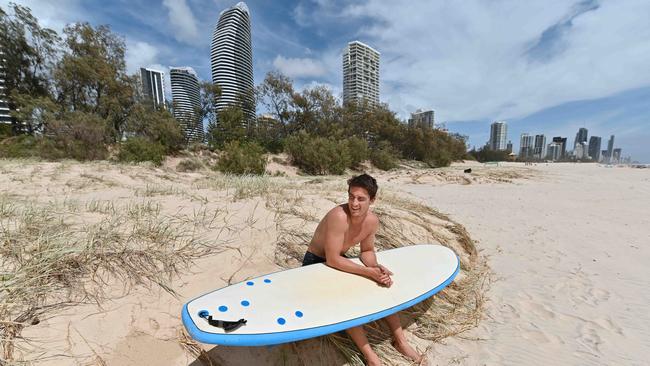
column 372, row 219
column 337, row 214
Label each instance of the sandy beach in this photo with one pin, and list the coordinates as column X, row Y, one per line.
column 568, row 249
column 564, row 244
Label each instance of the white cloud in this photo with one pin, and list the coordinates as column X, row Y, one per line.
column 139, row 54
column 470, row 61
column 299, row 67
column 53, row 15
column 183, row 21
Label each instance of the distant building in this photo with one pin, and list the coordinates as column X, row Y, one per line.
column 616, row 157
column 360, row 74
column 509, row 146
column 5, row 113
column 610, row 149
column 153, row 86
column 581, row 136
column 231, row 60
column 526, row 146
column 424, row 119
column 580, row 151
column 539, row 150
column 603, row 156
column 594, row 148
column 498, row 135
column 562, row 141
column 554, row 151
column 187, row 101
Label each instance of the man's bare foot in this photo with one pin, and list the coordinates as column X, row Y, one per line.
column 372, row 360
column 408, row 351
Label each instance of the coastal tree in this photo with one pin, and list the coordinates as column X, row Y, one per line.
column 30, row 51
column 91, row 76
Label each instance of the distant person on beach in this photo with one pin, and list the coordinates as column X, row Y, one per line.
column 343, row 227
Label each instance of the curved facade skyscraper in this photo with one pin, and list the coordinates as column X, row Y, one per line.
column 231, row 59
column 187, row 100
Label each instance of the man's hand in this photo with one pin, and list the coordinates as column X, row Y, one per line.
column 384, row 270
column 377, row 275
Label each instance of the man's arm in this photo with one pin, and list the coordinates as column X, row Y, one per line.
column 368, row 255
column 334, row 237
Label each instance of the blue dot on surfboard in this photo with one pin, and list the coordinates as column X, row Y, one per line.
column 267, row 280
column 250, row 283
column 245, row 303
column 299, row 314
column 223, row 309
column 281, row 321
column 203, row 313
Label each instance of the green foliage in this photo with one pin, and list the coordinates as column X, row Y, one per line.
column 91, row 76
column 230, row 127
column 5, row 130
column 78, row 135
column 269, row 133
column 22, row 146
column 484, row 155
column 318, row 155
column 30, row 52
column 358, row 149
column 157, row 125
column 138, row 149
column 242, row 158
column 384, row 156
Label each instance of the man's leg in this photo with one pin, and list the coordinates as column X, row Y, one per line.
column 399, row 339
column 358, row 335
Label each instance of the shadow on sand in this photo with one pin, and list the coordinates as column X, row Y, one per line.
column 315, row 351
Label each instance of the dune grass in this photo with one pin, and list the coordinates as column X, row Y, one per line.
column 66, row 251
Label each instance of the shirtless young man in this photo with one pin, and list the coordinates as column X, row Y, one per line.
column 347, row 225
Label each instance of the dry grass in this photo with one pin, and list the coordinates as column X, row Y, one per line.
column 455, row 309
column 75, row 248
column 50, row 261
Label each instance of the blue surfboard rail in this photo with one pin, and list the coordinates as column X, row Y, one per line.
column 267, row 339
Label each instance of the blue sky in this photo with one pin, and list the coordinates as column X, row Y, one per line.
column 544, row 67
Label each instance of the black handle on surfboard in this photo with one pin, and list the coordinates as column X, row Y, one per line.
column 226, row 325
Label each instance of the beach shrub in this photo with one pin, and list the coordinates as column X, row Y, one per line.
column 138, row 149
column 384, row 156
column 189, row 165
column 76, row 135
column 318, row 155
column 22, row 146
column 358, row 149
column 242, row 158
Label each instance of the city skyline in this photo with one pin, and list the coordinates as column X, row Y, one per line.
column 535, row 71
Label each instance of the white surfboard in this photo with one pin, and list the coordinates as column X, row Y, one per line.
column 315, row 300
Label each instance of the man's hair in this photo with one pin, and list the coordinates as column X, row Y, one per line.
column 364, row 181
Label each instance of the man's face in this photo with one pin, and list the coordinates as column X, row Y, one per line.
column 358, row 201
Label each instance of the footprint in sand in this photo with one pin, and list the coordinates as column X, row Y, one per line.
column 589, row 339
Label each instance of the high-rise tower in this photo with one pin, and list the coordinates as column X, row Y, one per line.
column 5, row 116
column 360, row 74
column 594, row 147
column 610, row 149
column 231, row 59
column 153, row 86
column 581, row 136
column 187, row 101
column 498, row 135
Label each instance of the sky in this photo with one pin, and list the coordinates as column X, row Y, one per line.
column 544, row 67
